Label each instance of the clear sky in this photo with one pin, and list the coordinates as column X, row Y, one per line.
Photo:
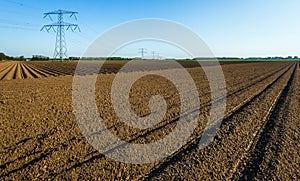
column 239, row 28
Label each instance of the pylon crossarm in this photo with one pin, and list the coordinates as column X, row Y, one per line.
column 73, row 14
column 45, row 27
column 47, row 15
column 72, row 27
column 52, row 29
column 48, row 28
column 77, row 27
column 61, row 12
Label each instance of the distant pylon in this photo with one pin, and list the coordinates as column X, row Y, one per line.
column 142, row 51
column 59, row 27
column 153, row 55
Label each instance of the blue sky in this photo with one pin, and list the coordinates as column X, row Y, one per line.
column 236, row 28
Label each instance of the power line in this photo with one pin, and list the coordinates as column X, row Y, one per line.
column 16, row 27
column 10, row 24
column 16, row 23
column 22, row 4
column 60, row 25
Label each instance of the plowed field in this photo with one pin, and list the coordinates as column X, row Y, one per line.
column 258, row 138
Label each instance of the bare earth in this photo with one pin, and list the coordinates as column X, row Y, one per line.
column 258, row 138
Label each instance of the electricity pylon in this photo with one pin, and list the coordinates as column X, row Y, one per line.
column 59, row 27
column 142, row 51
column 153, row 55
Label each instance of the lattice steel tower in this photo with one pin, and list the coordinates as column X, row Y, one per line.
column 59, row 28
column 142, row 51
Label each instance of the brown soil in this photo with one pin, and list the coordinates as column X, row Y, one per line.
column 258, row 138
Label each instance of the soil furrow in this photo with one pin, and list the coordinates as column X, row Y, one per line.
column 192, row 147
column 11, row 73
column 41, row 71
column 6, row 71
column 27, row 74
column 271, row 133
column 206, row 104
column 46, row 67
column 4, row 66
column 35, row 72
column 18, row 73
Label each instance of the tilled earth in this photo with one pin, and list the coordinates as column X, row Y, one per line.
column 258, row 138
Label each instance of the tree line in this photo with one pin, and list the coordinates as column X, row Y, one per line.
column 45, row 58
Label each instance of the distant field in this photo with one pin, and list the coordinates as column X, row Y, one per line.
column 37, row 69
column 258, row 138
